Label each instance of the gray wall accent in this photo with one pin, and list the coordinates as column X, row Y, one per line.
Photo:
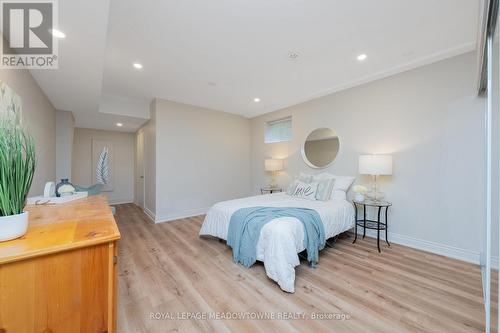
column 39, row 116
column 65, row 124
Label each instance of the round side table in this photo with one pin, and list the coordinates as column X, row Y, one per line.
column 371, row 224
column 270, row 190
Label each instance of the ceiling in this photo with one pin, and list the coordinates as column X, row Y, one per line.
column 222, row 54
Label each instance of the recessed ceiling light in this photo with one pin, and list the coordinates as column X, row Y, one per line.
column 137, row 65
column 119, row 124
column 361, row 57
column 293, row 55
column 256, row 100
column 57, row 33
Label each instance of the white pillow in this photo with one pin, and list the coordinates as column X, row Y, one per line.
column 291, row 187
column 343, row 183
column 323, row 176
column 339, row 195
column 325, row 188
column 304, row 177
column 305, row 190
column 340, row 186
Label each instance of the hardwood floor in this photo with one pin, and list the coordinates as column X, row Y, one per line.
column 166, row 269
column 494, row 300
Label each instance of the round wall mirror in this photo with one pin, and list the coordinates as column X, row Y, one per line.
column 320, row 148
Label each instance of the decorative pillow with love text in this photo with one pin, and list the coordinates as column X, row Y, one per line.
column 305, row 190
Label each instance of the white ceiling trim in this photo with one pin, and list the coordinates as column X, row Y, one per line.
column 124, row 106
column 423, row 61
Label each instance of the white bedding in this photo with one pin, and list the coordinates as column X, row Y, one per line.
column 282, row 238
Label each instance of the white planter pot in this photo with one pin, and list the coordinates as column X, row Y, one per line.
column 359, row 197
column 13, row 226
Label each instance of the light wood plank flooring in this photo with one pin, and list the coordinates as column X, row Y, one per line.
column 166, row 268
column 494, row 300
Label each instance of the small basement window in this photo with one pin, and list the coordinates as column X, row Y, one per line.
column 278, row 130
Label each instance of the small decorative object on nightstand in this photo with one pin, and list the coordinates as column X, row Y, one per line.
column 371, row 224
column 360, row 191
column 270, row 190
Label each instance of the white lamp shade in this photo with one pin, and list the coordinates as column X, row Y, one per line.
column 375, row 165
column 273, row 165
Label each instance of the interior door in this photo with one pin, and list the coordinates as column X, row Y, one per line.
column 139, row 173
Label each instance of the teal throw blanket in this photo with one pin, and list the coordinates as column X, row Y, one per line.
column 246, row 223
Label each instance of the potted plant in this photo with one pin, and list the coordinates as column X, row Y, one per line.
column 17, row 166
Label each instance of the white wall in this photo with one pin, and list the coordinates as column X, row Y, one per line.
column 149, row 163
column 65, row 124
column 40, row 118
column 431, row 121
column 123, row 156
column 202, row 157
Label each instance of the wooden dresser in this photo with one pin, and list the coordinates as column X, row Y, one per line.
column 61, row 276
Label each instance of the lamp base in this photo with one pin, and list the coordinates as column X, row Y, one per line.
column 273, row 185
column 375, row 196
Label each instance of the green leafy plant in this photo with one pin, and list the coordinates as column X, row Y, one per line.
column 17, row 165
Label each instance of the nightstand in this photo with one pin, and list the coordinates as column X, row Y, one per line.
column 371, row 224
column 270, row 190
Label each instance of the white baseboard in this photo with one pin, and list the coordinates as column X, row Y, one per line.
column 137, row 204
column 416, row 243
column 150, row 214
column 181, row 215
column 424, row 245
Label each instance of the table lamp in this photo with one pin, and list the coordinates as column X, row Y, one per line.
column 375, row 165
column 273, row 166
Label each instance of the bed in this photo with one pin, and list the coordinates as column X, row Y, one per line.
column 281, row 239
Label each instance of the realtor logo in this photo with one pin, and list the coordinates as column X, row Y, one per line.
column 27, row 39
